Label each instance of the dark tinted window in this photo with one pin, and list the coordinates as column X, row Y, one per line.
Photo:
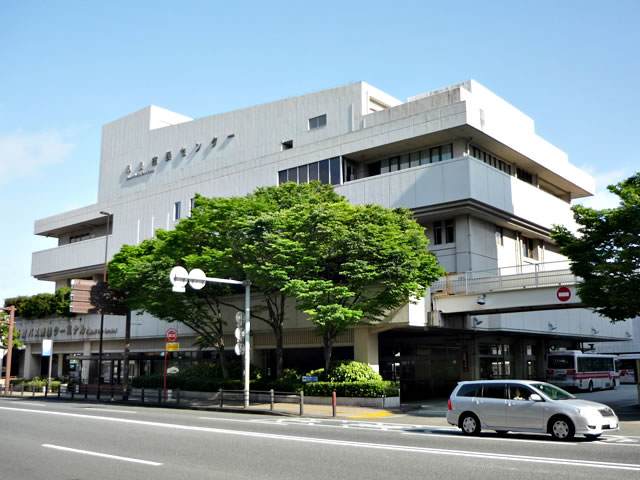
column 561, row 361
column 493, row 390
column 324, row 172
column 313, row 171
column 335, row 170
column 282, row 176
column 468, row 390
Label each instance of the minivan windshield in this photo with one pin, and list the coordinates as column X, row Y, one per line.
column 553, row 392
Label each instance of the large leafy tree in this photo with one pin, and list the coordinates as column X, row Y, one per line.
column 606, row 253
column 368, row 260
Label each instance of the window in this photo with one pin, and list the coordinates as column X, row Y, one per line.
column 334, row 167
column 292, row 175
column 528, row 249
column 437, row 233
column 350, row 169
column 493, row 390
column 324, row 171
column 469, row 390
column 446, row 152
column 499, row 236
column 282, row 177
column 176, row 210
column 286, row 145
column 302, row 174
column 450, row 231
column 191, row 205
column 81, row 237
column 313, row 171
column 524, row 175
column 519, row 393
column 318, row 122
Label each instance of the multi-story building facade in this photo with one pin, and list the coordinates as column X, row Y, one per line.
column 468, row 164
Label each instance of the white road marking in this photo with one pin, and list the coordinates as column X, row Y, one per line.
column 346, row 443
column 29, row 403
column 96, row 454
column 108, row 410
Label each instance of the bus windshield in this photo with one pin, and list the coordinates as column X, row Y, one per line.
column 552, row 391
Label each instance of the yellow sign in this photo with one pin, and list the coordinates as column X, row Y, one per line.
column 173, row 347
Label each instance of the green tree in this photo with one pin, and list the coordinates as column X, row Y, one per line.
column 369, row 260
column 4, row 333
column 606, row 253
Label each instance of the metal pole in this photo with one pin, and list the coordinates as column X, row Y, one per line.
column 127, row 349
column 104, row 280
column 165, row 375
column 247, row 346
column 50, row 364
column 333, row 397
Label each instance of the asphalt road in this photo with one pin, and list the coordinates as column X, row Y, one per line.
column 59, row 440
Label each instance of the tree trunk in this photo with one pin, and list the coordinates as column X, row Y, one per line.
column 327, row 340
column 223, row 361
column 279, row 352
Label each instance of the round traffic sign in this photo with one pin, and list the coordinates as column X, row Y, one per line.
column 172, row 335
column 563, row 294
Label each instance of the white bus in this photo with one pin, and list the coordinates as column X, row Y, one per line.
column 626, row 364
column 586, row 371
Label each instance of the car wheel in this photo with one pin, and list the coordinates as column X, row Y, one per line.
column 590, row 386
column 592, row 437
column 469, row 424
column 561, row 428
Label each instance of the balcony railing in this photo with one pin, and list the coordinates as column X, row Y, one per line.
column 506, row 278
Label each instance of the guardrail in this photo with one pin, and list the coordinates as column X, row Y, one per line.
column 505, row 278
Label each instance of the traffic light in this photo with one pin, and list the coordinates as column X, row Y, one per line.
column 239, row 333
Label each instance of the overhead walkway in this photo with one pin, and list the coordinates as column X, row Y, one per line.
column 530, row 287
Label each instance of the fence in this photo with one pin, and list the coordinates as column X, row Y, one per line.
column 506, row 278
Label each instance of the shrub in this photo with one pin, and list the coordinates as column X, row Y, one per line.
column 347, row 371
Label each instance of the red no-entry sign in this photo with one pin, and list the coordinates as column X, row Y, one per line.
column 563, row 294
column 172, row 335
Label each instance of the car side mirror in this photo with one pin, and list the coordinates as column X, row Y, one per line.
column 534, row 397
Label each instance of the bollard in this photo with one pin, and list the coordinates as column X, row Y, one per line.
column 383, row 398
column 301, row 402
column 73, row 392
column 272, row 399
column 59, row 388
column 33, row 390
column 22, row 390
column 142, row 395
column 333, row 398
column 112, row 392
column 159, row 395
column 46, row 390
column 178, row 396
column 220, row 398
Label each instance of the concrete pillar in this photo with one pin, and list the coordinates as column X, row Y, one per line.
column 86, row 364
column 518, row 361
column 468, row 361
column 31, row 361
column 58, row 373
column 365, row 347
column 541, row 359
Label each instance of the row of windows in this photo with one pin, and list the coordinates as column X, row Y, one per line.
column 495, row 390
column 81, row 237
column 490, row 160
column 326, row 171
column 413, row 159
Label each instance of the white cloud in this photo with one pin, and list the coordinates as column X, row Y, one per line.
column 23, row 154
column 603, row 198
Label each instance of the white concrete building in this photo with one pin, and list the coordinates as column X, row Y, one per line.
column 469, row 165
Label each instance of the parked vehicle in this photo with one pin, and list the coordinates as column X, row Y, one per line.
column 586, row 371
column 526, row 406
column 626, row 365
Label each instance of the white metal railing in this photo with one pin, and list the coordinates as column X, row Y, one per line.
column 505, row 278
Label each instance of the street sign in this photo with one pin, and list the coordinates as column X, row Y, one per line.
column 178, row 276
column 173, row 347
column 309, row 379
column 239, row 349
column 563, row 294
column 47, row 347
column 172, row 335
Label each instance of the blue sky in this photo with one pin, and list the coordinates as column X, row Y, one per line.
column 69, row 67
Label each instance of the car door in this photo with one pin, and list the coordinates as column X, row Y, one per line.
column 521, row 412
column 491, row 406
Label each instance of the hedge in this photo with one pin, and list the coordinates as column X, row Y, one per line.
column 352, row 389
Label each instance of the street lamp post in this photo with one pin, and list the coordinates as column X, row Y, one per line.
column 197, row 280
column 10, row 322
column 104, row 280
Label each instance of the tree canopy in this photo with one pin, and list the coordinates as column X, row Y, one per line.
column 342, row 263
column 606, row 253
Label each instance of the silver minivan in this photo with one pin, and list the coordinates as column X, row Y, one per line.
column 526, row 406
